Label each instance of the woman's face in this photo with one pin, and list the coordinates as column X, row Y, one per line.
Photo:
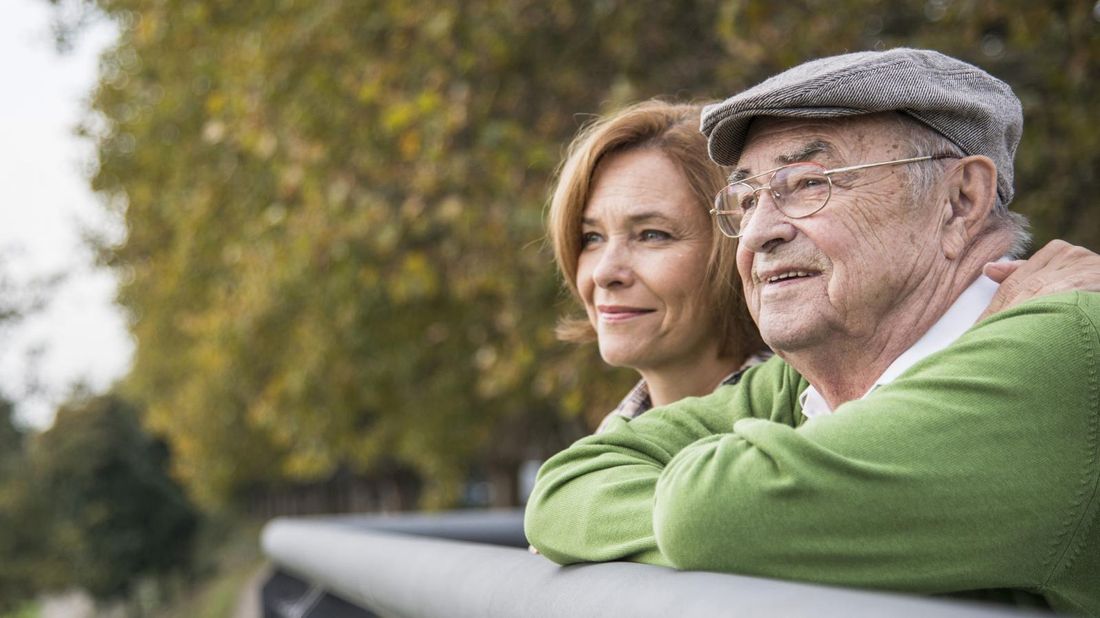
column 642, row 268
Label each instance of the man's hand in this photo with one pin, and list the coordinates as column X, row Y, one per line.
column 1057, row 267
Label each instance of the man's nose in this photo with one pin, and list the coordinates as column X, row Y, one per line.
column 614, row 268
column 767, row 226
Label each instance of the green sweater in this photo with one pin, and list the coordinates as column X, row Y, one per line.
column 977, row 469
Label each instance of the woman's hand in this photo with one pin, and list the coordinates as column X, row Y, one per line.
column 1057, row 267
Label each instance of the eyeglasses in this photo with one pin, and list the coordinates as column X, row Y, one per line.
column 798, row 190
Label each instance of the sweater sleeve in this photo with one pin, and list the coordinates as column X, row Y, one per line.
column 975, row 469
column 593, row 502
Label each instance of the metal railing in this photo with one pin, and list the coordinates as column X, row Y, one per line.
column 474, row 564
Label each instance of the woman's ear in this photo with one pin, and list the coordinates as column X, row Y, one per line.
column 971, row 196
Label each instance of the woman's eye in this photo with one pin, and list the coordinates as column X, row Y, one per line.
column 588, row 238
column 655, row 235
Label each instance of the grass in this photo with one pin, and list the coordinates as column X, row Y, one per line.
column 27, row 610
column 231, row 558
column 228, row 557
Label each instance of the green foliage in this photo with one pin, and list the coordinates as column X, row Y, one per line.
column 230, row 565
column 15, row 300
column 334, row 209
column 26, row 610
column 111, row 511
column 11, row 438
column 8, row 311
column 18, row 516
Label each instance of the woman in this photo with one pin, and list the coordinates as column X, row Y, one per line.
column 634, row 241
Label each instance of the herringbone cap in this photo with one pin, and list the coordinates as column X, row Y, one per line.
column 976, row 111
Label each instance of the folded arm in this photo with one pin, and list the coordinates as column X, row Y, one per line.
column 967, row 472
column 593, row 502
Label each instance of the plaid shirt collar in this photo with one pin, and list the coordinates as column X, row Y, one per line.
column 637, row 401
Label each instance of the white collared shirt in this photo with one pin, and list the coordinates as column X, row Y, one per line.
column 963, row 314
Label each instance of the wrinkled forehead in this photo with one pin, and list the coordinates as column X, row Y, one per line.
column 773, row 142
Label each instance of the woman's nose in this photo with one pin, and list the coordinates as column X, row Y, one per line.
column 614, row 268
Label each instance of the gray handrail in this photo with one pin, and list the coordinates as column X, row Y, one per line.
column 395, row 574
column 496, row 527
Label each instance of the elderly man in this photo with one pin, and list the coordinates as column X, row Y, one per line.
column 897, row 441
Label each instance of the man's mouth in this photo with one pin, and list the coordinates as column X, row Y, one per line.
column 794, row 274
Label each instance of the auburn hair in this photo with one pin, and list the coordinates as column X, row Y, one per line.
column 673, row 130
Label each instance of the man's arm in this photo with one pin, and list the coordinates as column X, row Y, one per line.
column 593, row 502
column 978, row 468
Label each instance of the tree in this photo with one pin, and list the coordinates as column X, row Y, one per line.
column 15, row 302
column 113, row 512
column 11, row 438
column 21, row 540
column 334, row 250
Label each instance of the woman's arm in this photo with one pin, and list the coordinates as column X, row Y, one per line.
column 1057, row 267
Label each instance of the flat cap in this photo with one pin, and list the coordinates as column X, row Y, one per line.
column 976, row 111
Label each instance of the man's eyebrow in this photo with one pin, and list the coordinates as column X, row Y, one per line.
column 805, row 153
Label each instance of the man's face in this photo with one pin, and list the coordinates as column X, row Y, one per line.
column 865, row 262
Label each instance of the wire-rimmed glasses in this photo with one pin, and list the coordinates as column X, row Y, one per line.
column 798, row 190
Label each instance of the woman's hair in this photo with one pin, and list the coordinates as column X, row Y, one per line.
column 673, row 130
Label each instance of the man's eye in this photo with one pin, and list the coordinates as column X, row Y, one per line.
column 590, row 237
column 655, row 235
column 748, row 203
column 807, row 184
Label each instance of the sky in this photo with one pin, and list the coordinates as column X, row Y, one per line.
column 46, row 208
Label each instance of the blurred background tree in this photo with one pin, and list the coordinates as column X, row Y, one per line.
column 9, row 310
column 19, row 541
column 113, row 513
column 88, row 504
column 335, row 254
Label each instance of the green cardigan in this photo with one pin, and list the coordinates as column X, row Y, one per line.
column 977, row 469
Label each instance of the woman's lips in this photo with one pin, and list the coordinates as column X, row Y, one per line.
column 621, row 313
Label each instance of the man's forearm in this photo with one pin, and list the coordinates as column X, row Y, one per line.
column 953, row 477
column 964, row 473
column 594, row 501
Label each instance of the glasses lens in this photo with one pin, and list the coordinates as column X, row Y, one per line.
column 727, row 211
column 801, row 189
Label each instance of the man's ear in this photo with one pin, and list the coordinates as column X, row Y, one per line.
column 971, row 197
